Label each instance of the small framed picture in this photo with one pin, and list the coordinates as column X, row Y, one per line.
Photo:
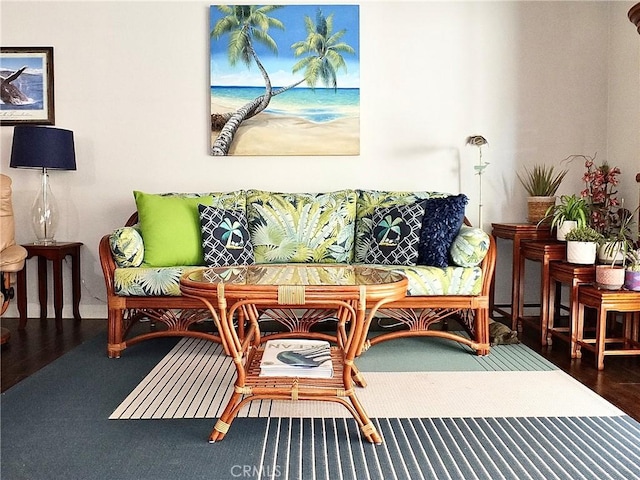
column 26, row 92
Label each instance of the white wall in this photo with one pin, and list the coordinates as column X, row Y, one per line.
column 540, row 80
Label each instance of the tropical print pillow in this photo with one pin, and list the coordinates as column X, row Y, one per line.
column 470, row 246
column 127, row 247
column 371, row 200
column 395, row 235
column 302, row 227
column 225, row 237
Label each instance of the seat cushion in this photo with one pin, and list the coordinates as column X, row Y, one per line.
column 149, row 281
column 423, row 280
column 427, row 280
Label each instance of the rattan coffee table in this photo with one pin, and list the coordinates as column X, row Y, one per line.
column 351, row 294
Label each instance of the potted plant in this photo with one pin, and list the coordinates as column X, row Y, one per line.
column 632, row 272
column 571, row 212
column 610, row 275
column 618, row 239
column 600, row 192
column 541, row 183
column 582, row 244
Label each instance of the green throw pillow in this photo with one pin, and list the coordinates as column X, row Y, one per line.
column 170, row 228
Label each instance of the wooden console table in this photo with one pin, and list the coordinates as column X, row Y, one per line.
column 544, row 252
column 604, row 301
column 56, row 254
column 517, row 233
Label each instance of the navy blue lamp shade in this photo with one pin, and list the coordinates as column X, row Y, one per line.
column 44, row 148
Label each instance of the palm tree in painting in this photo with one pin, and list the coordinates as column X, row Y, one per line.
column 248, row 23
column 324, row 49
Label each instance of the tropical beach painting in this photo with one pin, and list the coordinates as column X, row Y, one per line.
column 285, row 79
column 26, row 85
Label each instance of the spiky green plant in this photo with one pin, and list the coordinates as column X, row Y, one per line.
column 542, row 180
column 571, row 208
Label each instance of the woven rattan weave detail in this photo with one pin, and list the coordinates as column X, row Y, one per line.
column 291, row 295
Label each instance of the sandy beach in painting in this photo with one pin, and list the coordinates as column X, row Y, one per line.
column 271, row 134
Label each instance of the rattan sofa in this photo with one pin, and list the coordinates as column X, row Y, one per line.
column 334, row 227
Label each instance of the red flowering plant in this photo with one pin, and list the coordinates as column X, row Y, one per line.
column 600, row 191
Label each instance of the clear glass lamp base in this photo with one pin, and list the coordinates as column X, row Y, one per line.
column 44, row 214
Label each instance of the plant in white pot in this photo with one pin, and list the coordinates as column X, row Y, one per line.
column 582, row 245
column 618, row 239
column 632, row 273
column 610, row 275
column 541, row 183
column 571, row 212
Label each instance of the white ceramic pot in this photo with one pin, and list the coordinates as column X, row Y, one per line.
column 609, row 278
column 583, row 253
column 564, row 228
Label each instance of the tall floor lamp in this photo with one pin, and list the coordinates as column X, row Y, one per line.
column 43, row 148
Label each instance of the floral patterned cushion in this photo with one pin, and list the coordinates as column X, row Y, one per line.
column 427, row 280
column 470, row 247
column 423, row 280
column 127, row 247
column 149, row 281
column 302, row 227
column 395, row 235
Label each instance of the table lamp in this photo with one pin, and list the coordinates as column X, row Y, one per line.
column 44, row 148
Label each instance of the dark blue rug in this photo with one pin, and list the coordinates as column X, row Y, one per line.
column 55, row 426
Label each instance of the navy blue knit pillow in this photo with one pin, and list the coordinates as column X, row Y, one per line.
column 442, row 220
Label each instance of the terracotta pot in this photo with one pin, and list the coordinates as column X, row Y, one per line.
column 632, row 280
column 610, row 278
column 582, row 253
column 537, row 207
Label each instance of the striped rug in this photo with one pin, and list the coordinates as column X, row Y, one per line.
column 444, row 413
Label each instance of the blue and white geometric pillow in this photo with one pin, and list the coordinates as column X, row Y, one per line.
column 225, row 237
column 395, row 235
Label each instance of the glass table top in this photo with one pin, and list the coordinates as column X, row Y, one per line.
column 296, row 274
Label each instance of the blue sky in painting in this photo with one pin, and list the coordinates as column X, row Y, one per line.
column 279, row 67
column 33, row 64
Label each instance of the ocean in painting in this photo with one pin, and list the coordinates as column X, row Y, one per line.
column 31, row 86
column 318, row 105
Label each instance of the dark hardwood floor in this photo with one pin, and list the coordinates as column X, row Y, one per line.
column 39, row 344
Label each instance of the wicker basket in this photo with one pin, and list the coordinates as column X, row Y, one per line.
column 538, row 206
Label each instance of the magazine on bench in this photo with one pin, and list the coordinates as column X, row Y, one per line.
column 296, row 358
